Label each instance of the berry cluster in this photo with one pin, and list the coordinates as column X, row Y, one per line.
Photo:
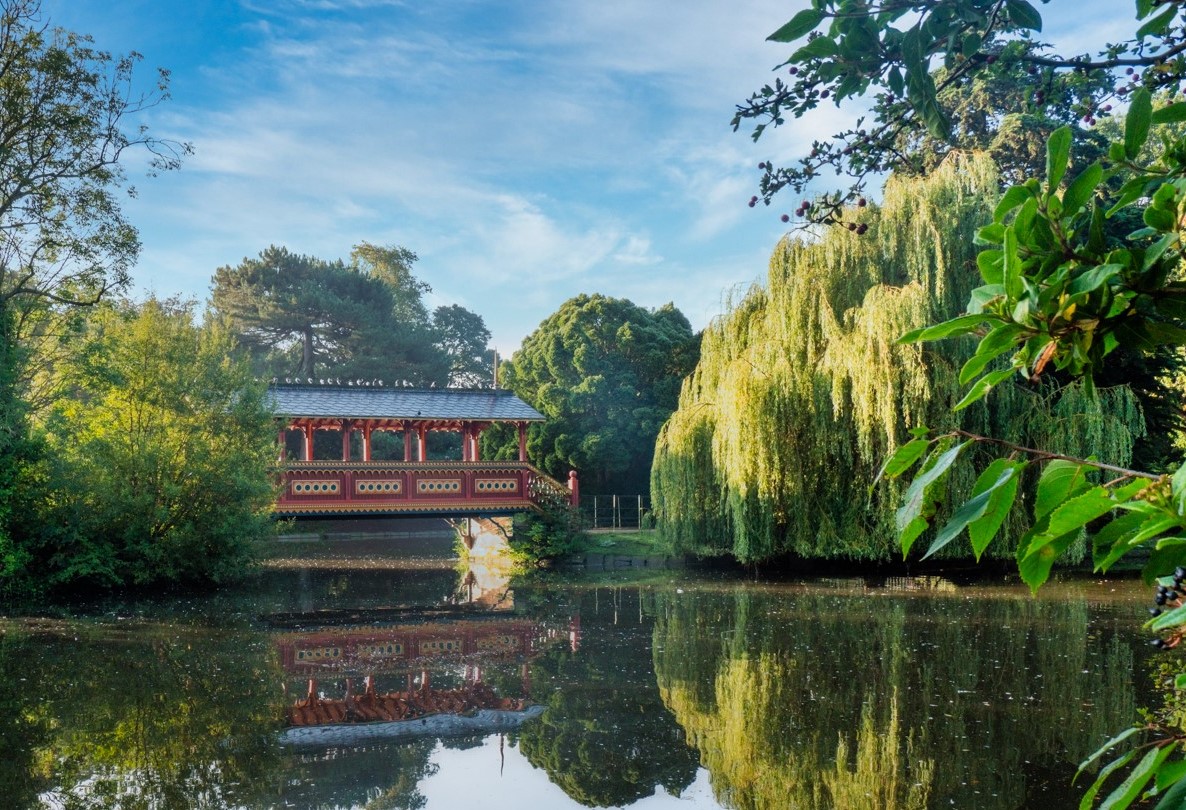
column 1169, row 596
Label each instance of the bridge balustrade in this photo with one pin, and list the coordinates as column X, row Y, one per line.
column 341, row 487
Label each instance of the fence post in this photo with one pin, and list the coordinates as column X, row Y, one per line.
column 640, row 513
column 594, row 511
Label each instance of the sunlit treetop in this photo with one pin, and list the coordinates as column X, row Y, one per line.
column 944, row 74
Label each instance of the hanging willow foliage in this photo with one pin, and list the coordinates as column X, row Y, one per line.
column 801, row 391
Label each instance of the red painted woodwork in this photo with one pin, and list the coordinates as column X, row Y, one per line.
column 396, row 487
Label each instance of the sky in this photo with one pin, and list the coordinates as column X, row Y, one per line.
column 526, row 151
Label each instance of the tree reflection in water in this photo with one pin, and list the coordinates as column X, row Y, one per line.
column 606, row 738
column 165, row 721
column 855, row 701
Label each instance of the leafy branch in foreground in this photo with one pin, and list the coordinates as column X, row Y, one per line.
column 1059, row 297
column 920, row 61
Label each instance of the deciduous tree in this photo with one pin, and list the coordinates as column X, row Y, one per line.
column 158, row 466
column 68, row 119
column 606, row 374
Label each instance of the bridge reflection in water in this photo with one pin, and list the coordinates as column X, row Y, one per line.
column 372, row 674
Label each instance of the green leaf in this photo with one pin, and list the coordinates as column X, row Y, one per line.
column 1128, row 790
column 972, row 510
column 1171, row 114
column 1081, row 189
column 911, row 533
column 1112, row 542
column 983, row 296
column 1077, row 512
column 914, row 498
column 902, row 459
column 1037, row 553
column 1174, row 618
column 982, row 531
column 956, row 326
column 989, row 262
column 1093, row 279
column 982, row 386
column 1136, row 123
column 1060, row 481
column 1106, row 747
column 1175, row 797
column 1160, row 24
column 1058, row 152
column 1164, row 334
column 801, row 24
column 1171, row 772
column 820, row 48
column 1011, row 277
column 1159, row 248
column 1089, row 795
column 1015, row 196
column 992, row 345
column 1024, row 15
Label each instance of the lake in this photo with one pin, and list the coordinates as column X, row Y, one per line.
column 645, row 688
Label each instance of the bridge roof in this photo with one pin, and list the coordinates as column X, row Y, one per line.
column 342, row 402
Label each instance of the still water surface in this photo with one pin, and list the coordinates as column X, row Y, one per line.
column 678, row 690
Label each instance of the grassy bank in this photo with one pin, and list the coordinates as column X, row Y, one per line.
column 628, row 543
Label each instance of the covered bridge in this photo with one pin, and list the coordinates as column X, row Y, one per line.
column 353, row 482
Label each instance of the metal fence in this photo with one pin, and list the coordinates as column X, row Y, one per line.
column 616, row 511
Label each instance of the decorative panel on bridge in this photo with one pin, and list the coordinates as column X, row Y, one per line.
column 415, row 484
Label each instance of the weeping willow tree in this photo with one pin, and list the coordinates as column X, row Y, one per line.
column 801, row 390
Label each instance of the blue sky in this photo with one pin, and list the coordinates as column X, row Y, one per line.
column 527, row 151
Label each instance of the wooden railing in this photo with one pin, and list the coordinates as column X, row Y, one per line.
column 428, row 487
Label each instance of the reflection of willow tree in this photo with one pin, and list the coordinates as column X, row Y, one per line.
column 152, row 719
column 606, row 738
column 806, row 702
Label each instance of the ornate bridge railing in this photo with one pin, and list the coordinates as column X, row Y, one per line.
column 324, row 488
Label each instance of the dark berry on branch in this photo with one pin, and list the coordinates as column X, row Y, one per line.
column 1154, row 611
column 785, row 218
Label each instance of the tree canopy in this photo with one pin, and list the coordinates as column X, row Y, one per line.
column 606, row 374
column 801, row 390
column 66, row 126
column 157, row 466
column 300, row 316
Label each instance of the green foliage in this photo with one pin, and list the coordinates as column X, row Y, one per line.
column 293, row 305
column 555, row 531
column 68, row 121
column 463, row 337
column 802, row 390
column 946, row 75
column 157, row 468
column 606, row 374
column 1060, row 296
column 304, row 317
column 18, row 455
